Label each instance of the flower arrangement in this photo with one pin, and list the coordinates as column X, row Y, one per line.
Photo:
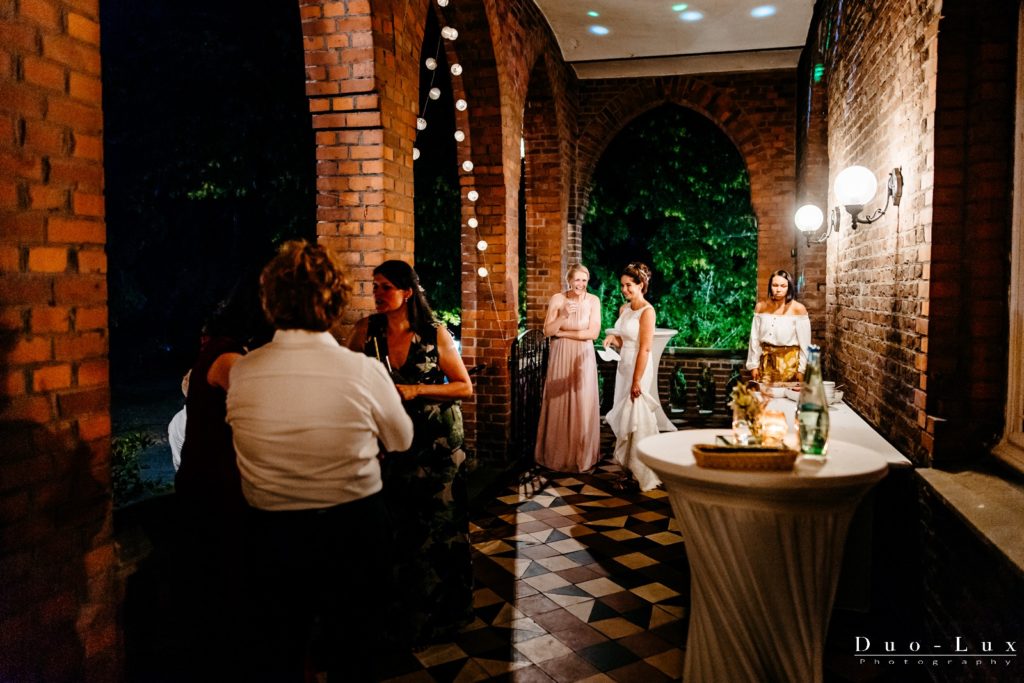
column 747, row 406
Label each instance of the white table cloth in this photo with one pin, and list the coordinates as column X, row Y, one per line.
column 765, row 549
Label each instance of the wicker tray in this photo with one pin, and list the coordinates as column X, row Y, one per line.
column 743, row 457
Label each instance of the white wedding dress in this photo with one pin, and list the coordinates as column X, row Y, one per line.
column 632, row 420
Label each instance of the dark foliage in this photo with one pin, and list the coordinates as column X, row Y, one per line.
column 209, row 163
column 672, row 190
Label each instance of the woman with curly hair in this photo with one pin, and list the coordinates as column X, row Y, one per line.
column 307, row 417
column 424, row 487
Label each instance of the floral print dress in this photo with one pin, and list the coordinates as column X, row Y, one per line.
column 426, row 496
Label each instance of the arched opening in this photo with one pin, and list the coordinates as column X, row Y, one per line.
column 209, row 165
column 437, row 198
column 672, row 190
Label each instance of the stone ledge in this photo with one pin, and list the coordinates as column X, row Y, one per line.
column 989, row 502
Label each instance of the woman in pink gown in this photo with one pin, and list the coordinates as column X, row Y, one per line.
column 569, row 432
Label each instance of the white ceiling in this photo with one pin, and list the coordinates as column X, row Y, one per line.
column 650, row 37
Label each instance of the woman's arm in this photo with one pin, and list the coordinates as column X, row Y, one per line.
column 593, row 331
column 458, row 386
column 357, row 340
column 219, row 373
column 754, row 348
column 643, row 350
column 556, row 315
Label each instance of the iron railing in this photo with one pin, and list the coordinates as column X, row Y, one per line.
column 528, row 364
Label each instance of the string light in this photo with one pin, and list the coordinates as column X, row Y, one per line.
column 434, row 93
column 461, row 104
column 456, row 69
column 473, row 223
column 421, row 123
column 442, row 3
column 482, row 245
column 473, row 195
column 467, row 165
column 481, row 271
column 430, row 63
column 415, row 153
column 449, row 33
column 459, row 136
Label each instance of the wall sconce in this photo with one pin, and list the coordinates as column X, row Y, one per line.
column 856, row 186
column 808, row 219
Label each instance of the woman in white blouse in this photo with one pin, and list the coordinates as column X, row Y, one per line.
column 779, row 334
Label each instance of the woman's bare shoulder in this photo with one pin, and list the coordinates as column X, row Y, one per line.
column 759, row 307
column 797, row 308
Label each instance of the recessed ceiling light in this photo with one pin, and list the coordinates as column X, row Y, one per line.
column 692, row 15
column 679, row 7
column 599, row 30
column 592, row 13
column 762, row 11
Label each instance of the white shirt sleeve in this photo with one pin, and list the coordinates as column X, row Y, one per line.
column 394, row 428
column 754, row 350
column 803, row 336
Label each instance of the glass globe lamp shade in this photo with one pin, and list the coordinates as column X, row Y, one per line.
column 459, row 136
column 472, row 222
column 467, row 166
column 481, row 245
column 481, row 271
column 855, row 186
column 456, row 69
column 808, row 218
column 473, row 195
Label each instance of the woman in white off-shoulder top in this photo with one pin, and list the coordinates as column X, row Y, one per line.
column 779, row 334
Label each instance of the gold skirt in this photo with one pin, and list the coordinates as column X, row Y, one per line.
column 779, row 363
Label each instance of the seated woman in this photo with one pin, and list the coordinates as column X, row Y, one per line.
column 779, row 334
column 424, row 487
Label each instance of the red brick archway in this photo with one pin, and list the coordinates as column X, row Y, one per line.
column 757, row 115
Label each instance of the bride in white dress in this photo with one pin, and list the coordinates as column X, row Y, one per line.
column 633, row 415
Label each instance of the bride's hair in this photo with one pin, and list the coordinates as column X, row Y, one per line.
column 640, row 273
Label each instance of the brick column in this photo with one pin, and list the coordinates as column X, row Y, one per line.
column 57, row 559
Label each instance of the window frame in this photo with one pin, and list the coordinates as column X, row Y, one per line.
column 1011, row 448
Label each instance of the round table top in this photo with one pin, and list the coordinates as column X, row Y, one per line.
column 670, row 456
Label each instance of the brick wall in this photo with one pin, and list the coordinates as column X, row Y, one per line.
column 879, row 66
column 906, row 292
column 60, row 596
column 756, row 111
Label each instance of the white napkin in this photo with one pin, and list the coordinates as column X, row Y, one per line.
column 609, row 354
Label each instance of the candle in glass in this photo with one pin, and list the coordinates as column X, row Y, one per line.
column 773, row 427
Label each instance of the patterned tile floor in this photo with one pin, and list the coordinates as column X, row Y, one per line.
column 575, row 581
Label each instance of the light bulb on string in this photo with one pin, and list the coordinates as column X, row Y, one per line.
column 461, row 104
column 434, row 93
column 430, row 63
column 481, row 245
column 449, row 33
column 459, row 136
column 421, row 123
column 456, row 69
column 415, row 153
column 467, row 165
column 442, row 3
column 481, row 271
column 473, row 223
column 473, row 195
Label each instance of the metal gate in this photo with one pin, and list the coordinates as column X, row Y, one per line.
column 528, row 364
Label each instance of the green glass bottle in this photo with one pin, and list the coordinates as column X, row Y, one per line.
column 677, row 390
column 812, row 408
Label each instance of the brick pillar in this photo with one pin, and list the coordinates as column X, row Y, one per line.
column 547, row 245
column 60, row 595
column 362, row 79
